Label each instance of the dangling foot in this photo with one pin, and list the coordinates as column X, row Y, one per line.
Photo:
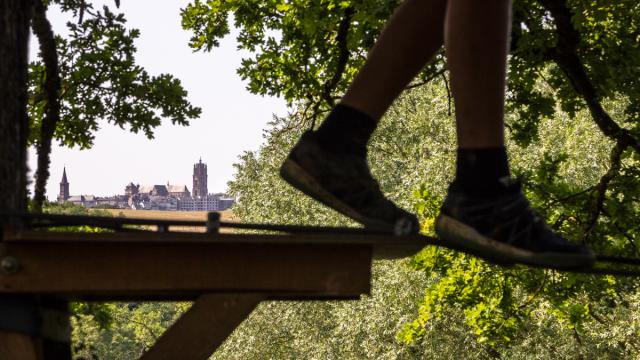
column 504, row 229
column 343, row 182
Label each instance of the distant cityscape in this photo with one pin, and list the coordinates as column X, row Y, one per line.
column 155, row 197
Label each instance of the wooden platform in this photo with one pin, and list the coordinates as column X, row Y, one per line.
column 226, row 274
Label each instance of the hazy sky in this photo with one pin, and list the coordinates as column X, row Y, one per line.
column 231, row 122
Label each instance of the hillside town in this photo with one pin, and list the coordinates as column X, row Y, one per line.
column 168, row 197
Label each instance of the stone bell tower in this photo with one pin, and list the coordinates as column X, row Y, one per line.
column 199, row 180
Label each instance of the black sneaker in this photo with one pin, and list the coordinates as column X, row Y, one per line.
column 344, row 183
column 505, row 230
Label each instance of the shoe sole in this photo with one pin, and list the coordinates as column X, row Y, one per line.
column 469, row 240
column 297, row 177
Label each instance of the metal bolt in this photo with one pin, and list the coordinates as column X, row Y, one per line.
column 9, row 265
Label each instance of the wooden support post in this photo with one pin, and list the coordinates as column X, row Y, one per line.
column 213, row 222
column 15, row 346
column 34, row 327
column 202, row 329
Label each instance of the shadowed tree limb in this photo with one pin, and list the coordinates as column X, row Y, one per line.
column 427, row 80
column 564, row 54
column 603, row 185
column 343, row 57
column 42, row 29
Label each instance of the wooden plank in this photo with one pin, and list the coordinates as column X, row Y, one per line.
column 150, row 236
column 202, row 329
column 385, row 246
column 98, row 270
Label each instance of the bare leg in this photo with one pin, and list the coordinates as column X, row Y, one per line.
column 483, row 207
column 329, row 164
column 408, row 41
column 476, row 34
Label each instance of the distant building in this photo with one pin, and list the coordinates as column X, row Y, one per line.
column 64, row 186
column 211, row 202
column 201, row 199
column 200, row 180
column 87, row 201
column 178, row 190
column 131, row 189
column 156, row 197
column 158, row 190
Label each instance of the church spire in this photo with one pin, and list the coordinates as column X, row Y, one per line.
column 63, row 195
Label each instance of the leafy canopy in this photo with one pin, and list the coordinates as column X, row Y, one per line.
column 573, row 76
column 510, row 311
column 298, row 51
column 100, row 80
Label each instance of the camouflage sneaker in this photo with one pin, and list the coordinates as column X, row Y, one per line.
column 505, row 230
column 344, row 183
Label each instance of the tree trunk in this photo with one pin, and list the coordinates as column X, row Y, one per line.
column 14, row 40
column 19, row 337
column 14, row 126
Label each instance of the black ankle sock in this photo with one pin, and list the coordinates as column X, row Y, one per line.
column 478, row 170
column 346, row 130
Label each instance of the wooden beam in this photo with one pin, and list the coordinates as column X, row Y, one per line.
column 385, row 246
column 407, row 244
column 202, row 329
column 100, row 268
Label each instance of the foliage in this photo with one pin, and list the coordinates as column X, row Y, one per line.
column 304, row 50
column 101, row 81
column 497, row 310
column 326, row 330
column 132, row 329
column 67, row 208
column 573, row 74
column 297, row 50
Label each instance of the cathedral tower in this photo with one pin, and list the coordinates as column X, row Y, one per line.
column 64, row 187
column 199, row 180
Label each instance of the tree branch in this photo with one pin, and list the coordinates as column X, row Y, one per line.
column 343, row 57
column 449, row 97
column 624, row 232
column 42, row 29
column 603, row 185
column 146, row 327
column 564, row 54
column 427, row 80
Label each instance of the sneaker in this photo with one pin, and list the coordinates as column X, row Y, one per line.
column 344, row 183
column 505, row 230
